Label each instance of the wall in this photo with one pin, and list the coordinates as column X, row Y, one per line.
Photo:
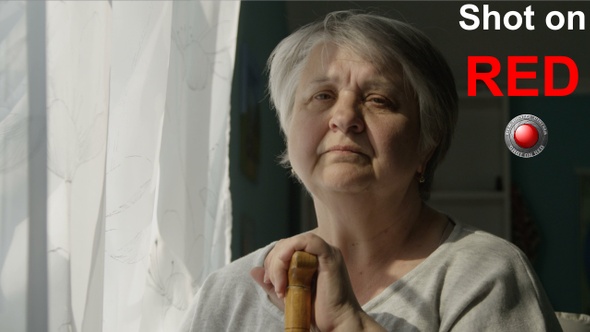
column 260, row 203
column 550, row 188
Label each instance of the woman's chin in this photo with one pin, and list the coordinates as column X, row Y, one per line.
column 345, row 179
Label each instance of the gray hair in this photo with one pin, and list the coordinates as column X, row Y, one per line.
column 387, row 43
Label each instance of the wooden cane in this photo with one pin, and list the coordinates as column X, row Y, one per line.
column 298, row 298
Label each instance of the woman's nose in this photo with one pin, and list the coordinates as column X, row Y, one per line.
column 347, row 116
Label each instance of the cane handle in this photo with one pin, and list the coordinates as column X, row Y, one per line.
column 298, row 309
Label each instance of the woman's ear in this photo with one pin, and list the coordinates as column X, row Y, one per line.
column 425, row 159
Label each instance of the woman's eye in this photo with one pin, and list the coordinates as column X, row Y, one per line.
column 323, row 96
column 379, row 101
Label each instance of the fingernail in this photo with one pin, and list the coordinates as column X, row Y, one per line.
column 280, row 293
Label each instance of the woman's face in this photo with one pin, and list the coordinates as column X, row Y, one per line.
column 354, row 129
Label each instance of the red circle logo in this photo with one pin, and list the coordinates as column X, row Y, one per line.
column 526, row 136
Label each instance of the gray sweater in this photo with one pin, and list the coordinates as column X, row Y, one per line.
column 473, row 282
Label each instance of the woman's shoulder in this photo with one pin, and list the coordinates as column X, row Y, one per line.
column 230, row 300
column 466, row 241
column 488, row 279
column 482, row 259
column 238, row 270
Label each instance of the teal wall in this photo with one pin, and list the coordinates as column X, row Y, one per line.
column 260, row 206
column 550, row 187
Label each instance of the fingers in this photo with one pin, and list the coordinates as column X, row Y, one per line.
column 277, row 261
column 335, row 303
column 308, row 242
column 257, row 274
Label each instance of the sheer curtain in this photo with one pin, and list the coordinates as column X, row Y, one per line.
column 115, row 117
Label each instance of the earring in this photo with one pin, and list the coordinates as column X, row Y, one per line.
column 421, row 179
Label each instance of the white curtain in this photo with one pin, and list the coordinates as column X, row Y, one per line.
column 131, row 100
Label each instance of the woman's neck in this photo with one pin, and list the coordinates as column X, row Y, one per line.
column 363, row 223
column 380, row 243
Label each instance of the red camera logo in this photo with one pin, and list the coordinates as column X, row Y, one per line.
column 526, row 136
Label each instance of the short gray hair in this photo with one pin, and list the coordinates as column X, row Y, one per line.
column 387, row 43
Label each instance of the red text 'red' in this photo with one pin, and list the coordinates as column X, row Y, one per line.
column 514, row 75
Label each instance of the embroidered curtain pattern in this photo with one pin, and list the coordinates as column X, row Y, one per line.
column 135, row 124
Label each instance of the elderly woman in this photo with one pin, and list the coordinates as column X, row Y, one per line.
column 368, row 107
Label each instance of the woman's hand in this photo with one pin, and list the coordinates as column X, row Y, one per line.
column 335, row 305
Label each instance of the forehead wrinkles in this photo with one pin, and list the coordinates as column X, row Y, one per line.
column 332, row 63
column 327, row 63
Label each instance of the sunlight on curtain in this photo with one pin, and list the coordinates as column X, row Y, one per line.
column 139, row 210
